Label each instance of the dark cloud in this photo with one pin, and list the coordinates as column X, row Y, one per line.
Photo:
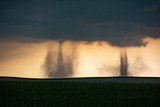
column 110, row 20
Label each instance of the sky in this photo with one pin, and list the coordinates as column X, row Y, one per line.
column 93, row 27
column 81, row 20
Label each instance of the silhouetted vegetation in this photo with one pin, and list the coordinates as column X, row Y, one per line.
column 51, row 93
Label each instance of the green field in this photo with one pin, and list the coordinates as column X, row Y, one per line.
column 51, row 93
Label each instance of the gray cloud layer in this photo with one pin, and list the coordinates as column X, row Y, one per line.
column 120, row 22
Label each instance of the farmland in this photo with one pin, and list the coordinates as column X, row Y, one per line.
column 70, row 92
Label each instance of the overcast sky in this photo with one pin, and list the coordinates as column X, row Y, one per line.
column 117, row 21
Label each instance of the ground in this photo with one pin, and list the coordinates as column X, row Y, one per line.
column 77, row 93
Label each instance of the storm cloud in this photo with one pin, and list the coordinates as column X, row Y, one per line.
column 74, row 33
column 122, row 23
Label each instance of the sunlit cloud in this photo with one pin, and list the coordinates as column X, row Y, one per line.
column 70, row 58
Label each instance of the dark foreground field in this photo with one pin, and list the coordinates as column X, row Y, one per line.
column 100, row 92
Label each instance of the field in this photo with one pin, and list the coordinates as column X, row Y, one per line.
column 78, row 93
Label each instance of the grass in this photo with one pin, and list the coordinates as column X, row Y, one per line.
column 51, row 93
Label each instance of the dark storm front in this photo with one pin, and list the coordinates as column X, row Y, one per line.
column 121, row 23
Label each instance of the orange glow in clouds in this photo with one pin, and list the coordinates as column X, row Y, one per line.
column 96, row 58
